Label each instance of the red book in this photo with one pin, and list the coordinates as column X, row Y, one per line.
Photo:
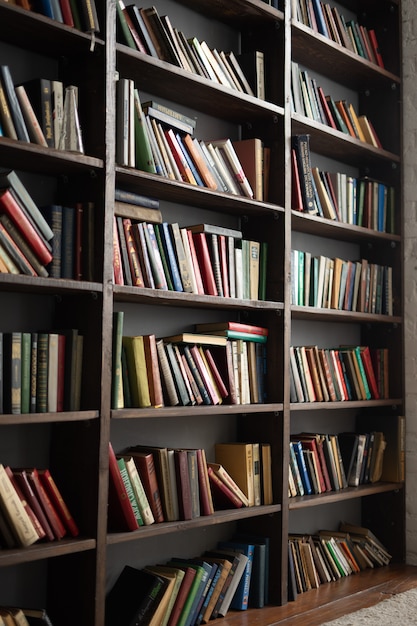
column 15, row 253
column 182, row 595
column 30, row 504
column 369, row 371
column 9, row 205
column 236, row 326
column 117, row 259
column 183, row 484
column 58, row 501
column 216, row 374
column 375, row 47
column 121, row 515
column 206, row 499
column 204, row 260
column 179, row 157
column 66, row 12
column 146, row 467
column 204, row 374
column 326, row 108
column 223, row 497
column 57, row 526
column 196, row 265
column 297, row 198
column 223, row 265
column 134, row 263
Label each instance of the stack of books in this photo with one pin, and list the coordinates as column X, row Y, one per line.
column 308, row 99
column 154, row 484
column 328, row 21
column 33, row 508
column 145, row 30
column 41, row 371
column 334, row 283
column 338, row 196
column 80, row 14
column 24, row 616
column 189, row 368
column 159, row 140
column 338, row 374
column 40, row 111
column 330, row 555
column 232, row 575
column 202, row 259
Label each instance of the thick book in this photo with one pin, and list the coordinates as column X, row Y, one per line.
column 134, row 597
column 146, row 467
column 301, row 145
column 121, row 515
column 138, row 374
column 237, row 459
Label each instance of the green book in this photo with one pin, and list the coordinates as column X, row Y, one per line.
column 143, row 153
column 129, row 490
column 25, row 373
column 193, row 595
column 123, row 32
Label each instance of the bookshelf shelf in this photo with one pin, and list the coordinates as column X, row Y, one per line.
column 75, row 444
column 302, row 502
column 219, row 517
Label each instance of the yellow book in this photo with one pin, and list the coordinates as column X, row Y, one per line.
column 237, row 459
column 138, row 377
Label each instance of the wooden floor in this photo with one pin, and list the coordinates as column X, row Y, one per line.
column 331, row 600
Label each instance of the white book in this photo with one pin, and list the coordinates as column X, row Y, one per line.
column 57, row 90
column 239, row 272
column 52, row 372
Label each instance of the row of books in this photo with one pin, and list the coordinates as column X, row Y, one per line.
column 144, row 29
column 334, row 283
column 188, row 368
column 161, row 148
column 338, row 196
column 17, row 616
column 308, row 99
column 80, row 14
column 329, row 462
column 200, row 259
column 32, row 508
column 330, row 555
column 40, row 372
column 154, row 484
column 326, row 19
column 192, row 591
column 40, row 111
column 345, row 373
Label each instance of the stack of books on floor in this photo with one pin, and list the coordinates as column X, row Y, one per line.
column 32, row 508
column 159, row 140
column 328, row 21
column 308, row 99
column 202, row 259
column 154, row 484
column 330, row 555
column 219, row 366
column 336, row 283
column 41, row 371
column 338, row 374
column 232, row 575
column 144, row 29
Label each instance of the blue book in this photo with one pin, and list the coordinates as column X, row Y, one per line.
column 382, row 207
column 171, row 257
column 318, row 12
column 298, row 449
column 213, row 578
column 240, row 600
column 189, row 161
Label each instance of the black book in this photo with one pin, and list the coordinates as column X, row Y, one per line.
column 39, row 91
column 134, row 597
column 301, row 144
column 137, row 19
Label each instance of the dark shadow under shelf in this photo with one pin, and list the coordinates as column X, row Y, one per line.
column 197, row 411
column 219, row 517
column 39, row 551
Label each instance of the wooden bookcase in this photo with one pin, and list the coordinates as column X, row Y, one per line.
column 70, row 577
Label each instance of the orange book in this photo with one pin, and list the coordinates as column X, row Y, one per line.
column 154, row 376
column 180, row 160
column 196, row 154
column 341, row 106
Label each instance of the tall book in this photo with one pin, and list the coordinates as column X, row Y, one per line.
column 121, row 515
column 237, row 459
